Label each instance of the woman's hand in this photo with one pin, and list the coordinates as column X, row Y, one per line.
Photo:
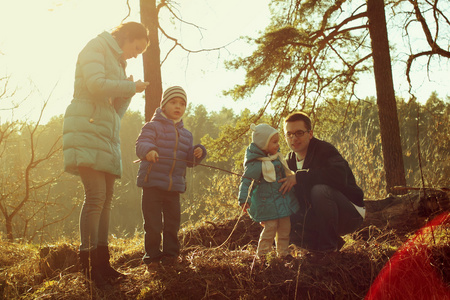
column 152, row 156
column 140, row 86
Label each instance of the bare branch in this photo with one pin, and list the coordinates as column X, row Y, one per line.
column 56, row 221
column 435, row 49
column 335, row 29
column 437, row 11
column 409, row 62
column 169, row 7
column 337, row 5
column 174, row 40
column 32, row 162
column 3, row 93
column 186, row 49
column 129, row 11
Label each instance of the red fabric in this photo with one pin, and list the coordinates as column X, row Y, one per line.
column 409, row 273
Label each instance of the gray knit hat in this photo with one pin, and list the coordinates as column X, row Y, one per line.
column 173, row 92
column 262, row 134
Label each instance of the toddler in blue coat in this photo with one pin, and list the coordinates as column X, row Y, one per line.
column 165, row 149
column 262, row 199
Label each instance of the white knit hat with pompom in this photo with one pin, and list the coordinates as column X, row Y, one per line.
column 262, row 134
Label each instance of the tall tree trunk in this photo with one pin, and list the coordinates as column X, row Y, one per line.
column 151, row 58
column 387, row 108
column 9, row 229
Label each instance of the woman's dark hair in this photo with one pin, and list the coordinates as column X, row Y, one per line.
column 299, row 116
column 129, row 31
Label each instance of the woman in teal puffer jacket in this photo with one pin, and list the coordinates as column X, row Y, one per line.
column 91, row 144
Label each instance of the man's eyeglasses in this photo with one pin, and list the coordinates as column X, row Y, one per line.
column 297, row 134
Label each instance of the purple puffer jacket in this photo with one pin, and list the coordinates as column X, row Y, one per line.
column 173, row 143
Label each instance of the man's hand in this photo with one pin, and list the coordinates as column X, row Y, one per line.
column 288, row 183
column 152, row 156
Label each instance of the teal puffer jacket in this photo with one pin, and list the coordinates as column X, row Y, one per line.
column 102, row 94
column 266, row 202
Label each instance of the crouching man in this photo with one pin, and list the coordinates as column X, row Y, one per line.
column 331, row 203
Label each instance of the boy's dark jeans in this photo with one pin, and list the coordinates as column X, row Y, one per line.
column 320, row 227
column 162, row 213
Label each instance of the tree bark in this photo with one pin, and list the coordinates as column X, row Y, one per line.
column 151, row 58
column 387, row 108
column 9, row 229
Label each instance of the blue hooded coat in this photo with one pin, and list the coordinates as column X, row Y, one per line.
column 326, row 166
column 266, row 202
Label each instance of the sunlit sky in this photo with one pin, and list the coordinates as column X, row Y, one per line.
column 40, row 41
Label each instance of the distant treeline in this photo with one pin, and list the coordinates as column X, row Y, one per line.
column 39, row 202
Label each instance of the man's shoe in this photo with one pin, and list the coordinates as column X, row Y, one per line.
column 340, row 243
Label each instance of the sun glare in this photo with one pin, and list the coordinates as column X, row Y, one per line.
column 40, row 48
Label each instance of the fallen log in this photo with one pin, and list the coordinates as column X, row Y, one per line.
column 407, row 212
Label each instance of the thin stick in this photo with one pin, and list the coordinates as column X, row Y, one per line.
column 413, row 188
column 198, row 164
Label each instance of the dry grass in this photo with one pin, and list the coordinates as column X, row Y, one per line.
column 218, row 265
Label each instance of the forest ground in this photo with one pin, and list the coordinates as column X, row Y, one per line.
column 217, row 261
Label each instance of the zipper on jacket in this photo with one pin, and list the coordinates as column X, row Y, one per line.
column 149, row 168
column 91, row 119
column 174, row 156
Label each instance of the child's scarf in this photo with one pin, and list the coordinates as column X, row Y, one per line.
column 268, row 169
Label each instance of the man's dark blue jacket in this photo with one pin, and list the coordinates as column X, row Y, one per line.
column 326, row 166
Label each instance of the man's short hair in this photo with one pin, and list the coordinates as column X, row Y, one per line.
column 299, row 116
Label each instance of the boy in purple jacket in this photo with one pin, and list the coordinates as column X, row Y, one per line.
column 165, row 148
